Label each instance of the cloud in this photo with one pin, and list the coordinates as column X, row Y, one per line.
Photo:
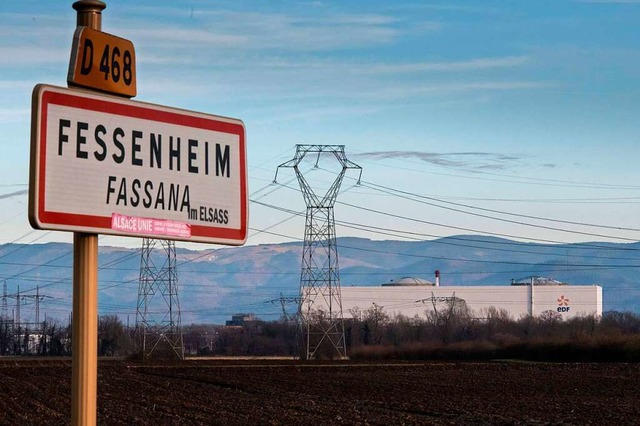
column 283, row 78
column 470, row 65
column 14, row 194
column 404, row 90
column 33, row 40
column 459, row 160
column 362, row 19
column 610, row 1
column 251, row 31
column 13, row 115
column 359, row 68
column 186, row 37
column 424, row 6
column 33, row 56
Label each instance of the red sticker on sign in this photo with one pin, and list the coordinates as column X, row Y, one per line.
column 149, row 226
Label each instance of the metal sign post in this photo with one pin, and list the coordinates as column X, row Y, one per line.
column 84, row 364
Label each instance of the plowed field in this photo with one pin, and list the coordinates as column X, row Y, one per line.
column 38, row 392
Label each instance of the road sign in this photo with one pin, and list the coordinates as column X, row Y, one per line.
column 108, row 165
column 103, row 62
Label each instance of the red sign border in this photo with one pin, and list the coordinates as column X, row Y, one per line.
column 41, row 218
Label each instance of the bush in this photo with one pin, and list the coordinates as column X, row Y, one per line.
column 620, row 349
column 373, row 353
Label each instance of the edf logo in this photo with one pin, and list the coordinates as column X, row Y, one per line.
column 563, row 304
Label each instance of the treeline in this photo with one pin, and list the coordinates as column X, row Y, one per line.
column 448, row 332
column 54, row 338
column 445, row 332
column 454, row 332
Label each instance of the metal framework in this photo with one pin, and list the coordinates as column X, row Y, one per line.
column 320, row 305
column 445, row 299
column 16, row 332
column 158, row 312
column 452, row 302
column 284, row 300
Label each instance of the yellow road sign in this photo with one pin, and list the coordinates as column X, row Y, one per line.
column 102, row 62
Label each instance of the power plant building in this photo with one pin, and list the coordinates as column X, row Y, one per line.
column 531, row 297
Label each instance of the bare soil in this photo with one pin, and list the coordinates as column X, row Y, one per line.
column 282, row 392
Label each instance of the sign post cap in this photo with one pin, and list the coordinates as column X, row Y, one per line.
column 89, row 13
column 95, row 6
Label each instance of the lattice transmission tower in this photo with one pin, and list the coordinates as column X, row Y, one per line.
column 319, row 315
column 158, row 313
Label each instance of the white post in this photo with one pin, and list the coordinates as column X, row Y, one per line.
column 531, row 297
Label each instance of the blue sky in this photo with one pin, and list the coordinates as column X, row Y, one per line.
column 526, row 109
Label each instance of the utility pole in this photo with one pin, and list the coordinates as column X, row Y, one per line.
column 38, row 304
column 320, row 305
column 4, row 300
column 17, row 318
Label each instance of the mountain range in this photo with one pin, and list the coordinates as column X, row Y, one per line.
column 264, row 279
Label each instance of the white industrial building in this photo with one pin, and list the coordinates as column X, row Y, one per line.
column 411, row 297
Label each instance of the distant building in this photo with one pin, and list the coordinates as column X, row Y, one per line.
column 414, row 296
column 240, row 320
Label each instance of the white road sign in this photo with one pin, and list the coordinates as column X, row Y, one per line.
column 108, row 165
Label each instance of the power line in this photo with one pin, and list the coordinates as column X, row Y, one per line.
column 510, row 178
column 468, row 260
column 569, row 222
column 498, row 234
column 414, row 235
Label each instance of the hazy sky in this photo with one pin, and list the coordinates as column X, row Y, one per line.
column 459, row 112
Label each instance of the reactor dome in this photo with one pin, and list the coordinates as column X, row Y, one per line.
column 408, row 282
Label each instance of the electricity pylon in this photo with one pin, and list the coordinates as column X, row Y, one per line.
column 320, row 305
column 158, row 312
